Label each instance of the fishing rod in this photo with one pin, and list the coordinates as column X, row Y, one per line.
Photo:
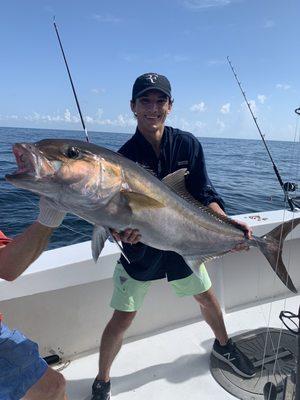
column 82, row 120
column 287, row 186
column 71, row 81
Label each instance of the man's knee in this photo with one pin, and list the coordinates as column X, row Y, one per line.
column 206, row 299
column 121, row 320
column 59, row 386
column 51, row 386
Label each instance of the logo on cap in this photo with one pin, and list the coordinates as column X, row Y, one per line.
column 152, row 77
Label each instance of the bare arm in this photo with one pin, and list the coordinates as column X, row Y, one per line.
column 17, row 255
column 215, row 207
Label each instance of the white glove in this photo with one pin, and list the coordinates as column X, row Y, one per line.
column 49, row 215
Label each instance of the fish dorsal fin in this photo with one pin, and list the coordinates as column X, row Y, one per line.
column 139, row 201
column 176, row 182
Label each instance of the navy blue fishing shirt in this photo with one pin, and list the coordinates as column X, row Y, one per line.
column 178, row 150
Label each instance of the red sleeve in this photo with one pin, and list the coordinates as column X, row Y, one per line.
column 4, row 239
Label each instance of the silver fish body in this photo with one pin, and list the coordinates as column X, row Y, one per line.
column 113, row 192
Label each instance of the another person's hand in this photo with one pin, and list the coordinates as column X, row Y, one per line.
column 129, row 235
column 49, row 215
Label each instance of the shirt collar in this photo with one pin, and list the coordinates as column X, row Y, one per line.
column 144, row 142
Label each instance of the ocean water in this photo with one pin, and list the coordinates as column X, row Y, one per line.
column 239, row 169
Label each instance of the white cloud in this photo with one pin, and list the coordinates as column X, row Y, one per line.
column 200, row 126
column 99, row 113
column 261, row 98
column 176, row 58
column 98, row 90
column 130, row 57
column 184, row 124
column 225, row 109
column 221, row 125
column 200, row 4
column 269, row 24
column 252, row 104
column 166, row 57
column 13, row 116
column 215, row 62
column 283, row 86
column 89, row 120
column 200, row 107
column 67, row 115
column 120, row 121
column 106, row 18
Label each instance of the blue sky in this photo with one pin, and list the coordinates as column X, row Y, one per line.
column 109, row 43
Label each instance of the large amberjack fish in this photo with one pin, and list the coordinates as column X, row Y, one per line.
column 112, row 192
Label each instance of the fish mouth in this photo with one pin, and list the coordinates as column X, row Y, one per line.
column 27, row 162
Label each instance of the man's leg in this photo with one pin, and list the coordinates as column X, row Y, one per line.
column 212, row 314
column 223, row 348
column 127, row 298
column 112, row 340
column 51, row 386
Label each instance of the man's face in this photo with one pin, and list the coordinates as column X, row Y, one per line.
column 151, row 110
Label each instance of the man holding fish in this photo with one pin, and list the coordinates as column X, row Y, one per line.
column 171, row 221
column 162, row 150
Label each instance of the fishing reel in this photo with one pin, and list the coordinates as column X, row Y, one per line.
column 290, row 186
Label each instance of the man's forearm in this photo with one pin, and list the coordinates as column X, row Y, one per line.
column 216, row 208
column 16, row 256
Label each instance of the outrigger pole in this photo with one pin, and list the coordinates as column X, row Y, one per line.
column 71, row 81
column 287, row 186
column 82, row 122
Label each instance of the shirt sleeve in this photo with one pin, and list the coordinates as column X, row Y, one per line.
column 198, row 182
column 4, row 240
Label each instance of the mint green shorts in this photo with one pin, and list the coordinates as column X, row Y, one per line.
column 129, row 293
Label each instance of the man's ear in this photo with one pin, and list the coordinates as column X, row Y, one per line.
column 170, row 106
column 132, row 106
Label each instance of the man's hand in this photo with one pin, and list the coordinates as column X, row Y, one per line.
column 248, row 231
column 131, row 236
column 49, row 215
column 248, row 234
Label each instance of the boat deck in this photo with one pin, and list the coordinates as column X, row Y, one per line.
column 174, row 363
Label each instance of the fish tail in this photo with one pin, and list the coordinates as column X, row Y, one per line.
column 271, row 246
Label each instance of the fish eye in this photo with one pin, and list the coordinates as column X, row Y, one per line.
column 73, row 153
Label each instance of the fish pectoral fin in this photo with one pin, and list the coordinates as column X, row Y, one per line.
column 195, row 263
column 100, row 234
column 138, row 201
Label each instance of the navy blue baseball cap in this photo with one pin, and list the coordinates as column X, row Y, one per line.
column 151, row 81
